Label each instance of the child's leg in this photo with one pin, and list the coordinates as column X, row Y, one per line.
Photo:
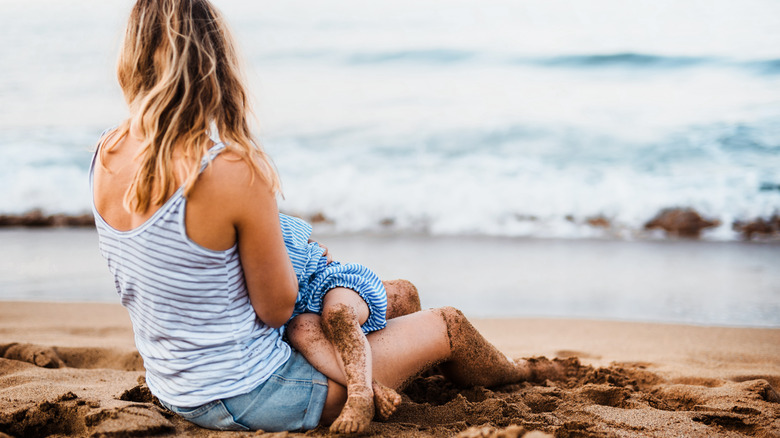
column 306, row 334
column 343, row 312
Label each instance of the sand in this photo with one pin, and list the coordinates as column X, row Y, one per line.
column 71, row 369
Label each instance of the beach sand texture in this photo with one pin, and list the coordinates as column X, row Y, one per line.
column 71, row 369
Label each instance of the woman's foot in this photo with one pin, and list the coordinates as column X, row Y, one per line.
column 386, row 400
column 357, row 412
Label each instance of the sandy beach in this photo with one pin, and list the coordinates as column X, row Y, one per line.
column 71, row 369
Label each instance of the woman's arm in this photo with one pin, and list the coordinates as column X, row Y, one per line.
column 269, row 274
column 243, row 209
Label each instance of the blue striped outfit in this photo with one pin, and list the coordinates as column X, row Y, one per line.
column 316, row 276
column 194, row 326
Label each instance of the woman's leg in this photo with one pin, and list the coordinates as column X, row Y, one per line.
column 402, row 298
column 409, row 345
column 399, row 352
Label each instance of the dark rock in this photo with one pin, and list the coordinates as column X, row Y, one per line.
column 599, row 221
column 759, row 226
column 682, row 222
column 36, row 218
column 319, row 218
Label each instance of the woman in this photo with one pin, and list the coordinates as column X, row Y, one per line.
column 191, row 233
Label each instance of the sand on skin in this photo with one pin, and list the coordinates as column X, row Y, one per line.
column 636, row 380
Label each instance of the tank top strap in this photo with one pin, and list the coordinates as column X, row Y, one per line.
column 211, row 154
column 102, row 139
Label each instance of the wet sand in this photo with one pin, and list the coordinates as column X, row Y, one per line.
column 636, row 380
column 675, row 281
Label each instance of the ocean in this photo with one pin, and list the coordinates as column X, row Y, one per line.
column 447, row 118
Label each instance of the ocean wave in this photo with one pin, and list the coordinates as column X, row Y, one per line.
column 622, row 59
column 430, row 56
column 593, row 61
column 516, row 179
column 767, row 67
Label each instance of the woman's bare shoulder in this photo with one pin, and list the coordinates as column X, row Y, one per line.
column 228, row 196
column 234, row 173
column 232, row 184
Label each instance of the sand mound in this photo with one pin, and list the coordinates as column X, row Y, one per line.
column 58, row 357
column 102, row 393
column 71, row 370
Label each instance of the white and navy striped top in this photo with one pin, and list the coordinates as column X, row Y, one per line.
column 194, row 326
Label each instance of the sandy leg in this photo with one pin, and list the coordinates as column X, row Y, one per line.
column 402, row 298
column 341, row 327
column 357, row 413
column 474, row 360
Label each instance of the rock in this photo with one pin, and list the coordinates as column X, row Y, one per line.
column 682, row 222
column 36, row 218
column 319, row 218
column 760, row 226
column 599, row 222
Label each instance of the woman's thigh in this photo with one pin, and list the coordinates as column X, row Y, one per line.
column 408, row 345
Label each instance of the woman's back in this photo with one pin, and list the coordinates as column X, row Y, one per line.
column 194, row 324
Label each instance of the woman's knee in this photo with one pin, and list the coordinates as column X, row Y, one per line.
column 451, row 315
column 402, row 298
column 455, row 321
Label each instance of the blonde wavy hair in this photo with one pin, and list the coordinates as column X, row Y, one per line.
column 181, row 78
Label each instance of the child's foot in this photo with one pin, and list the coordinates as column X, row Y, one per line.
column 357, row 412
column 386, row 400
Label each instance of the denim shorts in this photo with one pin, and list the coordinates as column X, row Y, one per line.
column 291, row 399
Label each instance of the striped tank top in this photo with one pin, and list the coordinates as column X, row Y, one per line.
column 194, row 326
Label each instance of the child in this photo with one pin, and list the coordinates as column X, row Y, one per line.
column 344, row 321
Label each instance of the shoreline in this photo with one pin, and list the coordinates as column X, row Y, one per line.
column 667, row 224
column 635, row 380
column 732, row 284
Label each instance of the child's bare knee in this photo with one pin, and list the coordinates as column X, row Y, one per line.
column 338, row 315
column 340, row 324
column 337, row 310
